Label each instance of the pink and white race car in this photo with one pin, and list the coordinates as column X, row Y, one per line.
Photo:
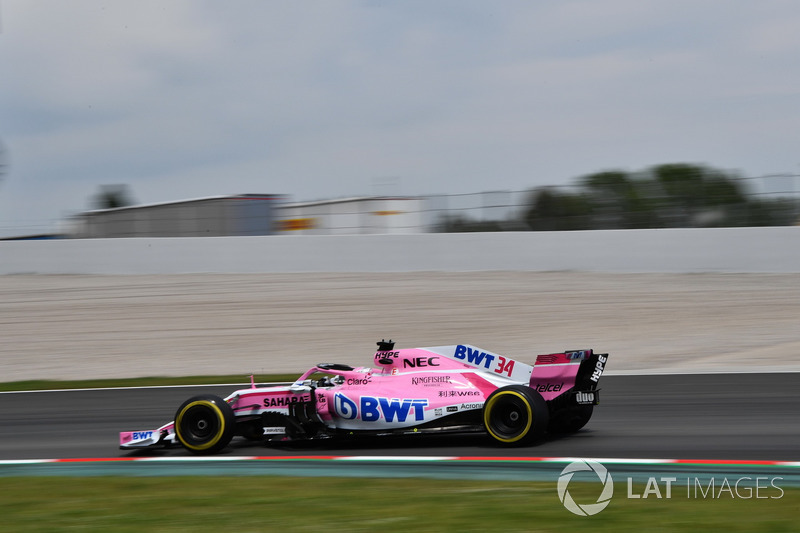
column 455, row 389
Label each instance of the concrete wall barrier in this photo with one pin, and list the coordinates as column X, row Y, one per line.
column 775, row 249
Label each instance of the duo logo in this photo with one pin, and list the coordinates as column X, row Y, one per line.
column 372, row 409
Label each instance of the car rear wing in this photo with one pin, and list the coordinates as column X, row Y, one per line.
column 571, row 370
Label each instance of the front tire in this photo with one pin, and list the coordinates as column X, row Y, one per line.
column 204, row 424
column 515, row 415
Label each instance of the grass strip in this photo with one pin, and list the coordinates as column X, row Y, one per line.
column 256, row 504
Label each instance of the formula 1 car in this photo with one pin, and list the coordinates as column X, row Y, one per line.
column 444, row 389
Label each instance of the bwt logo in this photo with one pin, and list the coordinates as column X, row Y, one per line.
column 476, row 357
column 372, row 409
column 588, row 509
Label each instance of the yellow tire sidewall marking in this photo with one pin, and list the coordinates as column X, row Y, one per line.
column 220, row 417
column 488, row 410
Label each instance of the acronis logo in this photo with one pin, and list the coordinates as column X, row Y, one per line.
column 372, row 409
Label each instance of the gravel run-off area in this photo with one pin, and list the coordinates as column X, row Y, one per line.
column 81, row 327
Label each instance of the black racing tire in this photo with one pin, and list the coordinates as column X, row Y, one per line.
column 515, row 415
column 570, row 419
column 204, row 424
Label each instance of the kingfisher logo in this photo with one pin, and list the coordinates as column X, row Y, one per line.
column 371, row 409
column 586, row 509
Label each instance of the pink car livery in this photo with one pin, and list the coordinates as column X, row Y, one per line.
column 442, row 389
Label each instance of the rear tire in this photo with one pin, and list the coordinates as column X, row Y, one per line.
column 515, row 415
column 204, row 424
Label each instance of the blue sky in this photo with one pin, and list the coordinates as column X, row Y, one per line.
column 183, row 99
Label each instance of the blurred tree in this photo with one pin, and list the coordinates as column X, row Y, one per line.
column 695, row 195
column 682, row 186
column 618, row 201
column 779, row 212
column 554, row 211
column 112, row 196
column 614, row 183
column 719, row 189
column 459, row 224
column 670, row 195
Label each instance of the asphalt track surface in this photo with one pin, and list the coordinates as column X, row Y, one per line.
column 705, row 417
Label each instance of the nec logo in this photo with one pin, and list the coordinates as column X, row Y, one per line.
column 419, row 362
column 141, row 435
column 476, row 357
column 373, row 409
